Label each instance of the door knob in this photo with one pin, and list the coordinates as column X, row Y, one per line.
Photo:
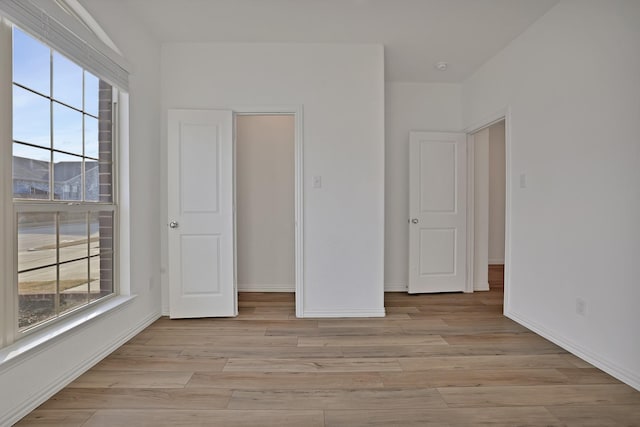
column 414, row 221
column 174, row 224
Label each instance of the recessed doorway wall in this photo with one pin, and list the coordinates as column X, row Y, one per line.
column 265, row 202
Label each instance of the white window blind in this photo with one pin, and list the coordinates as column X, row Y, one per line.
column 54, row 26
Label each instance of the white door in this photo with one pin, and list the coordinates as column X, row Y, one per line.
column 200, row 207
column 438, row 212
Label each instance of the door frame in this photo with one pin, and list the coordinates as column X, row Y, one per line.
column 297, row 112
column 502, row 114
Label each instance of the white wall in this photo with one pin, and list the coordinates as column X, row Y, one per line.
column 409, row 106
column 265, row 223
column 572, row 83
column 27, row 382
column 496, row 192
column 341, row 88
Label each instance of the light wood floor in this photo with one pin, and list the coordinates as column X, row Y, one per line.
column 435, row 360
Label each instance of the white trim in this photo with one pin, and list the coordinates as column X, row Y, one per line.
column 297, row 112
column 67, row 377
column 481, row 286
column 491, row 119
column 122, row 187
column 27, row 347
column 503, row 114
column 345, row 313
column 8, row 299
column 596, row 360
column 471, row 208
column 496, row 261
column 396, row 287
column 266, row 288
column 507, row 211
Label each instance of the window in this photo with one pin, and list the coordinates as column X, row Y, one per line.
column 63, row 183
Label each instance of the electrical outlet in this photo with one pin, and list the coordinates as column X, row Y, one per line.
column 581, row 307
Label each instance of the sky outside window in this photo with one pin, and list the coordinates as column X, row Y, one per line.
column 55, row 106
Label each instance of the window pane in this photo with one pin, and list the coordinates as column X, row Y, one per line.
column 91, row 91
column 74, row 287
column 92, row 181
column 30, row 172
column 73, row 236
column 31, row 62
column 67, row 129
column 36, row 240
column 90, row 137
column 67, row 175
column 101, row 226
column 67, row 81
column 31, row 113
column 36, row 296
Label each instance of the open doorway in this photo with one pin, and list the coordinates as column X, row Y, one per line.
column 489, row 202
column 265, row 205
column 497, row 192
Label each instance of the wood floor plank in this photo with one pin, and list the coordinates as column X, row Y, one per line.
column 473, row 378
column 152, row 364
column 446, row 350
column 545, row 395
column 253, row 352
column 484, row 362
column 587, row 376
column 338, row 341
column 131, row 379
column 491, row 338
column 287, row 380
column 223, row 341
column 56, row 418
column 498, row 417
column 344, row 364
column 336, row 399
column 147, row 351
column 378, row 322
column 225, row 323
column 597, row 416
column 130, row 398
column 203, row 331
column 226, row 418
column 333, row 331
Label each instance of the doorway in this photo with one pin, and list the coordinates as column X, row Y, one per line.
column 265, row 202
column 202, row 236
column 489, row 194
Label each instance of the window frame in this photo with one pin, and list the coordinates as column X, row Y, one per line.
column 11, row 207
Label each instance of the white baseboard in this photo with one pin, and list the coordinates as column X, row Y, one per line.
column 66, row 378
column 616, row 371
column 266, row 288
column 345, row 313
column 396, row 287
column 483, row 286
column 496, row 261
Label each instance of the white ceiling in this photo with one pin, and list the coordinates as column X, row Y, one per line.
column 416, row 33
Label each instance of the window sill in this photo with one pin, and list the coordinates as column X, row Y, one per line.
column 38, row 341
